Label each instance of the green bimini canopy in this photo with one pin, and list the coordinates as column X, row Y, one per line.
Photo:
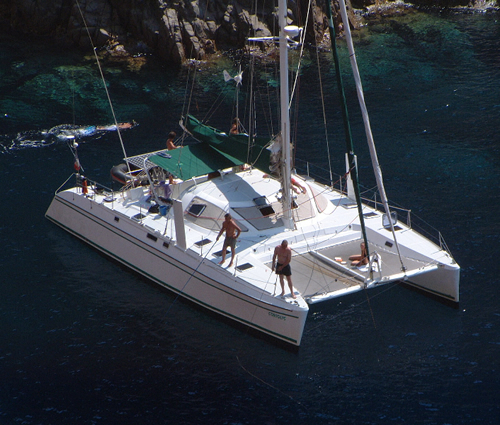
column 235, row 145
column 194, row 160
column 216, row 151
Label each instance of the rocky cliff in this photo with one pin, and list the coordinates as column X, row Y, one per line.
column 176, row 30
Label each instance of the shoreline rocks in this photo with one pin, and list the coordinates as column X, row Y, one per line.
column 176, row 31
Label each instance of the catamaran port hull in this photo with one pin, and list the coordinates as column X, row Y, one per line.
column 182, row 271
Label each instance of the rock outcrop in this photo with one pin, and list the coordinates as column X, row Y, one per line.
column 176, row 30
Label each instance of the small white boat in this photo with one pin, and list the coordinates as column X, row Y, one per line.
column 174, row 242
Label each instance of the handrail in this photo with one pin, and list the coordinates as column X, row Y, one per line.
column 90, row 182
column 412, row 221
column 60, row 188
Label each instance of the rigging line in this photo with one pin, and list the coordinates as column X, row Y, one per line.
column 104, row 83
column 349, row 310
column 370, row 306
column 364, row 112
column 324, row 114
column 268, row 384
column 186, row 108
column 252, row 124
column 260, row 153
column 73, row 97
column 186, row 105
column 302, row 39
column 182, row 291
column 216, row 104
column 320, row 268
column 187, row 83
column 265, row 109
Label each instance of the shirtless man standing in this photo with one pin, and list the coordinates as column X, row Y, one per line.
column 232, row 233
column 284, row 255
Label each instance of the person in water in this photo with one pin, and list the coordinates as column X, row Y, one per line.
column 68, row 131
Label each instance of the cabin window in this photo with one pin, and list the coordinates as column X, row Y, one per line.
column 261, row 201
column 267, row 210
column 152, row 237
column 196, row 209
column 263, row 205
column 207, row 215
column 387, row 223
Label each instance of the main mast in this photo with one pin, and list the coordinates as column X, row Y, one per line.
column 369, row 136
column 285, row 116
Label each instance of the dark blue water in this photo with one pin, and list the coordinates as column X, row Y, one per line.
column 84, row 341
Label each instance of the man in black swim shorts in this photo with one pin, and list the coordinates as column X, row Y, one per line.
column 283, row 254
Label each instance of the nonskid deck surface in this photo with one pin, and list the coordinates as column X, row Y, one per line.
column 390, row 261
column 311, row 275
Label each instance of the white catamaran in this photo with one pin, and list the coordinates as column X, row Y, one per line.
column 168, row 232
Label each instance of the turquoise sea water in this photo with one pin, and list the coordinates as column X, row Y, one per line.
column 85, row 341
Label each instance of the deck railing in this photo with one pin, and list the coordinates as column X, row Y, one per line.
column 371, row 197
column 92, row 186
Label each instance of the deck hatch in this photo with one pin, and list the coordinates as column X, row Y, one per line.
column 196, row 209
column 219, row 253
column 243, row 267
column 202, row 242
column 138, row 217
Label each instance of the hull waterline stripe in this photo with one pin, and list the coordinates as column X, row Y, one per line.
column 425, row 289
